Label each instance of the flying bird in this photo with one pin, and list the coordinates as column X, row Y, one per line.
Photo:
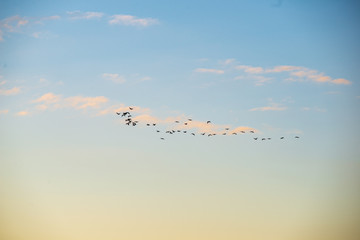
column 157, row 130
column 263, row 139
column 243, row 131
column 255, row 138
column 297, row 137
column 234, row 133
column 185, row 123
column 193, row 134
column 154, row 124
column 252, row 131
column 282, row 138
column 208, row 122
column 162, row 138
column 131, row 108
column 117, row 113
column 177, row 121
column 226, row 129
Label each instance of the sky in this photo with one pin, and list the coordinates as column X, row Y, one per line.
column 70, row 168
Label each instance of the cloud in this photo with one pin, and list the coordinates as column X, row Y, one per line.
column 75, row 15
column 272, row 107
column 12, row 24
column 132, row 20
column 116, row 78
column 79, row 102
column 209, row 70
column 4, row 111
column 297, row 73
column 52, row 102
column 12, row 91
column 250, row 69
column 22, row 113
column 48, row 98
column 341, row 81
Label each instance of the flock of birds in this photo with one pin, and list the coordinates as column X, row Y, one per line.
column 130, row 122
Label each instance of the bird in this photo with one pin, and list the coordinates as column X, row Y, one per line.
column 128, row 123
column 124, row 114
column 243, row 131
column 157, row 130
column 226, row 129
column 252, row 131
column 263, row 139
column 117, row 113
column 184, row 131
column 234, row 133
column 178, row 131
column 193, row 134
column 162, row 138
column 203, row 134
column 282, row 138
column 177, row 121
column 148, row 124
column 209, row 135
column 255, row 138
column 185, row 123
column 134, row 123
column 154, row 124
column 224, row 134
column 208, row 122
column 297, row 137
column 269, row 138
column 131, row 108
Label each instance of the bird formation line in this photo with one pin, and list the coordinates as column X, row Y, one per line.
column 226, row 131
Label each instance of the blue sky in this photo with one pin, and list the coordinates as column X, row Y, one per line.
column 278, row 68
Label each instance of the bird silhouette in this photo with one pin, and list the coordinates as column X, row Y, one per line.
column 154, row 124
column 190, row 119
column 203, row 134
column 131, row 108
column 234, row 133
column 118, row 113
column 243, row 131
column 162, row 138
column 193, row 134
column 224, row 134
column 227, row 129
column 297, row 137
column 255, row 138
column 282, row 138
column 184, row 131
column 208, row 122
column 177, row 121
column 157, row 130
column 263, row 139
column 148, row 124
column 252, row 131
column 185, row 123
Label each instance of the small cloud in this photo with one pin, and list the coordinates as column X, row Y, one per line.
column 341, row 81
column 132, row 20
column 12, row 91
column 146, row 78
column 272, row 107
column 48, row 98
column 22, row 113
column 79, row 102
column 75, row 15
column 250, row 69
column 4, row 112
column 116, row 78
column 209, row 70
column 228, row 61
column 12, row 24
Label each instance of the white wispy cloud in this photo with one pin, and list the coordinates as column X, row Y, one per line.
column 52, row 101
column 132, row 20
column 296, row 73
column 12, row 91
column 23, row 113
column 5, row 111
column 272, row 106
column 114, row 77
column 209, row 70
column 75, row 15
column 12, row 24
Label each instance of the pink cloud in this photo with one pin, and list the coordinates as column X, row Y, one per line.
column 209, row 70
